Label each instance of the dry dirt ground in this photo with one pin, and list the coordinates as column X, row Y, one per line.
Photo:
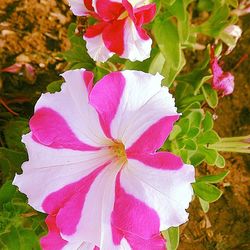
column 34, row 31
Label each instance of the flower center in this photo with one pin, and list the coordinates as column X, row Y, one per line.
column 118, row 150
column 123, row 15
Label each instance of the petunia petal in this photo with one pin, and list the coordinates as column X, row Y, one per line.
column 134, row 221
column 80, row 7
column 72, row 104
column 154, row 137
column 53, row 239
column 167, row 191
column 136, row 46
column 134, row 101
column 94, row 224
column 96, row 48
column 53, row 169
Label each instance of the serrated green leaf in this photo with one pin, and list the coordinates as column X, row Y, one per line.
column 7, row 191
column 10, row 162
column 11, row 239
column 206, row 191
column 13, row 131
column 210, row 95
column 213, row 178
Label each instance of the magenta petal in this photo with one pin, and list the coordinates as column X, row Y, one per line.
column 53, row 239
column 132, row 218
column 50, row 129
column 160, row 160
column 68, row 202
column 153, row 138
column 105, row 97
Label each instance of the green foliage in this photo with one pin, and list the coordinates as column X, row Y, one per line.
column 20, row 226
column 77, row 56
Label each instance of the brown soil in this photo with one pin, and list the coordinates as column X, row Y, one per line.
column 34, row 31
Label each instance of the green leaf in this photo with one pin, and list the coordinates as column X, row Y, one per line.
column 174, row 133
column 167, row 38
column 178, row 9
column 172, row 237
column 220, row 161
column 217, row 21
column 197, row 158
column 233, row 3
column 193, row 132
column 208, row 137
column 206, row 191
column 7, row 191
column 210, row 154
column 213, row 178
column 55, row 86
column 184, row 124
column 13, row 132
column 210, row 95
column 204, row 205
column 208, row 122
column 77, row 56
column 11, row 239
column 190, row 144
column 157, row 64
column 195, row 118
column 10, row 162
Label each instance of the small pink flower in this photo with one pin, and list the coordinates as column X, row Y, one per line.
column 118, row 29
column 94, row 167
column 223, row 82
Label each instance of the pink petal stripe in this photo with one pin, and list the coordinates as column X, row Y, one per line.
column 50, row 129
column 69, row 201
column 132, row 219
column 155, row 243
column 53, row 239
column 95, row 30
column 160, row 160
column 88, row 78
column 88, row 4
column 145, row 14
column 113, row 36
column 153, row 138
column 129, row 9
column 109, row 10
column 105, row 97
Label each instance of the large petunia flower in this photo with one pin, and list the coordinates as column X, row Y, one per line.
column 118, row 29
column 222, row 82
column 94, row 167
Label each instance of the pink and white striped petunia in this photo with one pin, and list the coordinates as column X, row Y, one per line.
column 118, row 29
column 94, row 167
